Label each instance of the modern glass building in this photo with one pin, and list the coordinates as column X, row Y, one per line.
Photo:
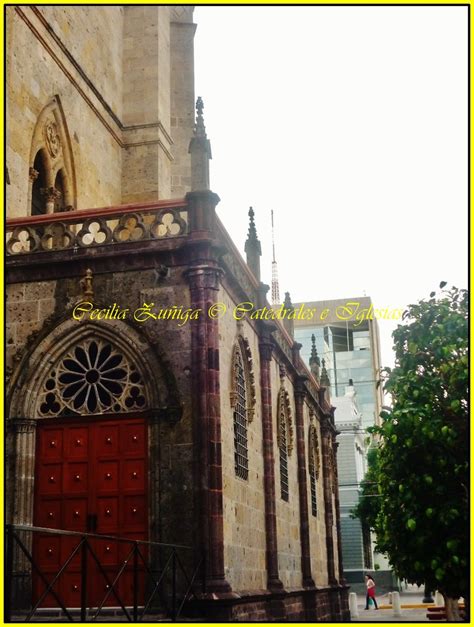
column 350, row 346
column 347, row 338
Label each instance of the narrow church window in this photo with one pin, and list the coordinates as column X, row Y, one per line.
column 313, row 451
column 284, row 437
column 283, row 458
column 38, row 174
column 240, row 418
column 314, row 503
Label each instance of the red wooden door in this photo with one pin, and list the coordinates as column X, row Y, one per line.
column 90, row 476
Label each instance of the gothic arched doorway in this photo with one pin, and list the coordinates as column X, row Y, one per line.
column 85, row 458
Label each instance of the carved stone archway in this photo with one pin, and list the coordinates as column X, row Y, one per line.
column 140, row 384
column 51, row 140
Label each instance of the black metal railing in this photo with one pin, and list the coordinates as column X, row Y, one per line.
column 162, row 578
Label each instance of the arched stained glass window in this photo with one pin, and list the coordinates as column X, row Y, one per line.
column 313, row 452
column 285, row 440
column 240, row 416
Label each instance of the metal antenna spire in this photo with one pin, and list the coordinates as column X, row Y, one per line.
column 275, row 287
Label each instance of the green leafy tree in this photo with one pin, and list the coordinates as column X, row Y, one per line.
column 422, row 466
column 368, row 507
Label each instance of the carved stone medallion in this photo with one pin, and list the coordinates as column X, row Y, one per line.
column 51, row 135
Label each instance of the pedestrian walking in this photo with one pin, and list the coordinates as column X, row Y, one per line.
column 370, row 583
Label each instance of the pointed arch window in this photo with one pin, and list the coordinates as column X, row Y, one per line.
column 285, row 440
column 242, row 400
column 51, row 173
column 313, row 465
column 240, row 420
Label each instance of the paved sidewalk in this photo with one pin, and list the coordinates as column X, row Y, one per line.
column 412, row 595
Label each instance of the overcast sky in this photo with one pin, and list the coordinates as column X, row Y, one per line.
column 351, row 124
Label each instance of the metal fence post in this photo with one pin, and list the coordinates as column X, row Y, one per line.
column 173, row 593
column 135, row 582
column 203, row 572
column 9, row 575
column 84, row 580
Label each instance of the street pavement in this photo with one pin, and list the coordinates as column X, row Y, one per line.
column 411, row 595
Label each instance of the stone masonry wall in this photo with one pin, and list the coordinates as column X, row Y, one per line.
column 317, row 527
column 182, row 97
column 288, row 513
column 125, row 84
column 244, row 504
column 146, row 117
column 39, row 69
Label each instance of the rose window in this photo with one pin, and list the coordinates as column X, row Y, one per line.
column 93, row 377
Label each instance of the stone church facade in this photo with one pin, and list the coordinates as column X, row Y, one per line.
column 142, row 402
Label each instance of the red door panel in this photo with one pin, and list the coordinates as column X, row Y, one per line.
column 49, row 552
column 133, row 479
column 76, row 478
column 108, row 440
column 75, row 514
column 71, row 589
column 69, row 545
column 50, row 514
column 77, row 443
column 50, row 479
column 132, row 439
column 51, row 445
column 108, row 476
column 108, row 515
column 90, row 473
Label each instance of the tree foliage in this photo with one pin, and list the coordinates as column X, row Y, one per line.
column 368, row 507
column 421, row 519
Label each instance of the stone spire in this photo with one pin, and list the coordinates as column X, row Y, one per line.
column 253, row 248
column 288, row 323
column 200, row 150
column 314, row 362
column 324, row 375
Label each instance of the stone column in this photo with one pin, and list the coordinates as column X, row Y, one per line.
column 20, row 453
column 300, row 392
column 204, row 280
column 21, row 439
column 204, row 284
column 265, row 350
column 52, row 197
column 327, row 488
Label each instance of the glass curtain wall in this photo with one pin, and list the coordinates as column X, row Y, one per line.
column 348, row 355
